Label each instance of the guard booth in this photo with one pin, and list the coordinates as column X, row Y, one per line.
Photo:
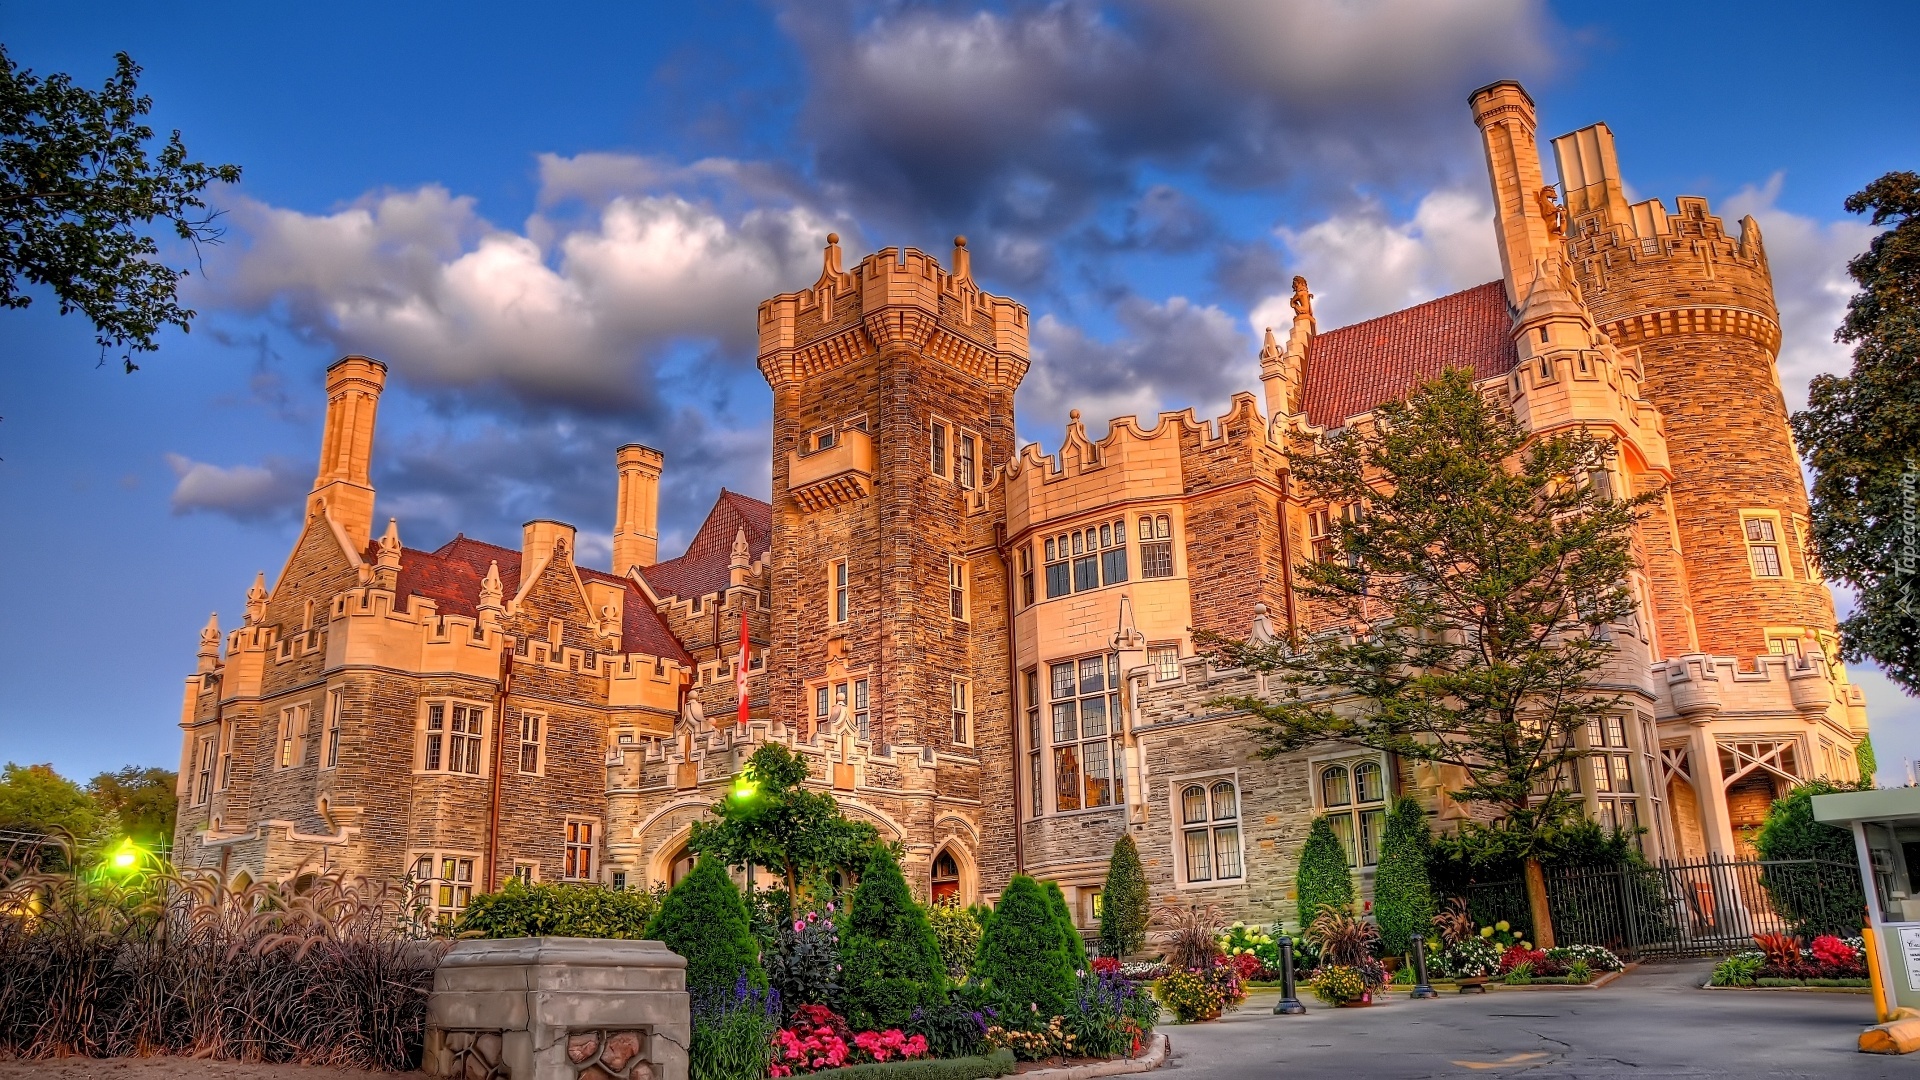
column 1886, row 836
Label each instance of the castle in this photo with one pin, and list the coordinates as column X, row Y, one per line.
column 987, row 651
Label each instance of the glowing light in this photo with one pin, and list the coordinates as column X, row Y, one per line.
column 126, row 856
column 745, row 788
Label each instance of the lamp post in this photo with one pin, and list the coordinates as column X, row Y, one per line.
column 1420, row 988
column 1288, row 1005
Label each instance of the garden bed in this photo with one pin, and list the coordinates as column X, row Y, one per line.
column 1818, row 986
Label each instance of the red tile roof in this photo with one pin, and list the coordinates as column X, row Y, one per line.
column 1352, row 370
column 703, row 569
column 451, row 577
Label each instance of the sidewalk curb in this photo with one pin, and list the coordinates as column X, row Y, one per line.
column 1159, row 1049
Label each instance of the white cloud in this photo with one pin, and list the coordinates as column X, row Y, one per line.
column 243, row 492
column 1360, row 263
column 1810, row 284
column 1170, row 355
column 564, row 312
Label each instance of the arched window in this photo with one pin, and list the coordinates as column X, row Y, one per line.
column 1353, row 795
column 1210, row 831
column 946, row 877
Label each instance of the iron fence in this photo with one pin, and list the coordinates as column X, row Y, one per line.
column 1707, row 908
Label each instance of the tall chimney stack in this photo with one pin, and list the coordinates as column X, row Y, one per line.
column 1505, row 116
column 344, row 481
column 636, row 518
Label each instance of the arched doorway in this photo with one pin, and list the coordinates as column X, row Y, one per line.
column 946, row 877
column 679, row 866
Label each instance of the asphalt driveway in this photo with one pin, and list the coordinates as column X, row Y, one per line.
column 1653, row 1022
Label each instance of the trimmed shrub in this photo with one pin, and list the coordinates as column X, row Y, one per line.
column 1402, row 896
column 1023, row 958
column 998, row 1063
column 705, row 920
column 957, row 931
column 893, row 963
column 1123, row 902
column 1814, row 899
column 1069, row 933
column 1322, row 877
column 558, row 910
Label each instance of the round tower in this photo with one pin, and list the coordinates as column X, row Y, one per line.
column 1696, row 306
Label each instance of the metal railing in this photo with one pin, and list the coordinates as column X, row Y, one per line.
column 1706, row 908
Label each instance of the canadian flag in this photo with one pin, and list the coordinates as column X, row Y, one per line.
column 740, row 669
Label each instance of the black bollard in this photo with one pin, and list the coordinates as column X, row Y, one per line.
column 1420, row 988
column 1288, row 1005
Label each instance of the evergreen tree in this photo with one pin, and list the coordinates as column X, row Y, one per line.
column 891, row 956
column 1023, row 959
column 1402, row 895
column 704, row 918
column 1860, row 432
column 1478, row 582
column 1069, row 933
column 1322, row 877
column 1813, row 901
column 1123, row 902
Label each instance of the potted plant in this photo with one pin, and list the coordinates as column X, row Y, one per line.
column 1346, row 942
column 1342, row 987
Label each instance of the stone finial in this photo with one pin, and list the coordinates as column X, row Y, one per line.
column 491, row 590
column 1262, row 626
column 389, row 555
column 692, row 711
column 830, row 262
column 742, row 552
column 210, row 642
column 1269, row 346
column 1126, row 634
column 257, row 600
column 962, row 260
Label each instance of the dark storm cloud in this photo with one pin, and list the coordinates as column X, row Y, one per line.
column 1026, row 119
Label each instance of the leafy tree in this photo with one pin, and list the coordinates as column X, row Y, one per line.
column 1123, row 902
column 1023, row 959
column 1322, row 878
column 1865, row 759
column 76, row 189
column 892, row 959
column 36, row 799
column 705, row 920
column 1816, row 901
column 770, row 819
column 957, row 930
column 1860, row 433
column 1069, row 932
column 1473, row 597
column 1402, row 895
column 143, row 799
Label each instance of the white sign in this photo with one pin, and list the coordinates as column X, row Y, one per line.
column 1910, row 950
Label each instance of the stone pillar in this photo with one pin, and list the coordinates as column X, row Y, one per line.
column 1703, row 756
column 559, row 1009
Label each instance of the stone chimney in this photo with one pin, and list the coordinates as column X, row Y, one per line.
column 636, row 517
column 539, row 538
column 344, row 482
column 1525, row 233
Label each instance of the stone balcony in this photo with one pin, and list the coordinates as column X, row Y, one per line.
column 834, row 474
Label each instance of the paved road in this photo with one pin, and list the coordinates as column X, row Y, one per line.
column 1652, row 1022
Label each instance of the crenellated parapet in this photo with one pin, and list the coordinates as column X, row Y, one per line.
column 894, row 298
column 1702, row 688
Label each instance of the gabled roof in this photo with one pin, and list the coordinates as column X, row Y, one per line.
column 451, row 576
column 1356, row 368
column 704, row 567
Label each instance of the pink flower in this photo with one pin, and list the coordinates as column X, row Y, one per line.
column 799, row 926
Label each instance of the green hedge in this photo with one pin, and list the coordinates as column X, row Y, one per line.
column 998, row 1063
column 892, row 960
column 558, row 910
column 704, row 919
column 1069, row 933
column 1402, row 896
column 1123, row 902
column 1023, row 956
column 1323, row 877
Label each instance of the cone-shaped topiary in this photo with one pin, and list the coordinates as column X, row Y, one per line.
column 1023, row 958
column 1402, row 896
column 1323, row 877
column 704, row 918
column 1123, row 902
column 891, row 957
column 1069, row 933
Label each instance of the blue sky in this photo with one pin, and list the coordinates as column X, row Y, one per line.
column 554, row 224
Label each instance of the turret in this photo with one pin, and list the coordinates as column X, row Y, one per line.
column 1283, row 373
column 344, row 482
